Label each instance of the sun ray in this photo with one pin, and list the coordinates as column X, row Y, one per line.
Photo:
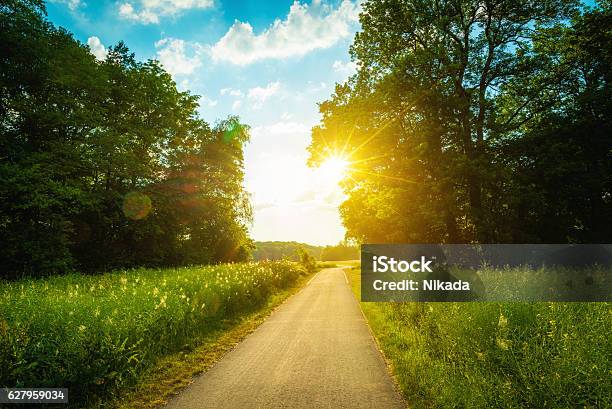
column 385, row 176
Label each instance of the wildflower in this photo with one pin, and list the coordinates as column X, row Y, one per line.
column 503, row 321
column 502, row 344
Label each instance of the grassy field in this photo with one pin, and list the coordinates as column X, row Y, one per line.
column 98, row 334
column 496, row 355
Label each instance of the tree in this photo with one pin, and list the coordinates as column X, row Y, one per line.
column 307, row 260
column 427, row 118
column 561, row 158
column 105, row 164
column 341, row 251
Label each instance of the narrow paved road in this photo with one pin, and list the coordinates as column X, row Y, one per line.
column 315, row 351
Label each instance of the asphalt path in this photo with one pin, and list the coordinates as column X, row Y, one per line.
column 314, row 351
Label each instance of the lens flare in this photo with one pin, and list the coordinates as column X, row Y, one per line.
column 136, row 205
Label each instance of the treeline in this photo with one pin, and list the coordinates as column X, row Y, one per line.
column 291, row 250
column 105, row 164
column 339, row 252
column 473, row 121
column 279, row 250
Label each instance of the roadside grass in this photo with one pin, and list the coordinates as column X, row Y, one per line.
column 173, row 373
column 501, row 355
column 337, row 263
column 98, row 335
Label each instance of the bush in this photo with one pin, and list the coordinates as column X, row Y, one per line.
column 307, row 261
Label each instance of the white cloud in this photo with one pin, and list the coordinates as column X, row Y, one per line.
column 97, row 48
column 345, row 68
column 306, row 28
column 71, row 4
column 171, row 53
column 315, row 87
column 149, row 11
column 231, row 92
column 236, row 105
column 208, row 101
column 259, row 95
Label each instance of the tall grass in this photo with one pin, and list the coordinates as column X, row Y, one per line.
column 497, row 355
column 94, row 334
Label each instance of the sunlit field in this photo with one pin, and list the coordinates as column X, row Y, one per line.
column 494, row 355
column 94, row 334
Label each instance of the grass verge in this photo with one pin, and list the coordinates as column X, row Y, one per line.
column 502, row 355
column 98, row 335
column 173, row 373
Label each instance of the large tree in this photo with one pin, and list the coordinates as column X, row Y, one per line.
column 106, row 164
column 424, row 120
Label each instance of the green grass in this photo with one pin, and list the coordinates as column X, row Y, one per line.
column 496, row 355
column 97, row 334
column 326, row 264
column 176, row 371
column 346, row 263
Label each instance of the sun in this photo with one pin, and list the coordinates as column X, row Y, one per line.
column 334, row 169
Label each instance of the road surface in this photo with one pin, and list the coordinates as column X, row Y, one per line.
column 314, row 351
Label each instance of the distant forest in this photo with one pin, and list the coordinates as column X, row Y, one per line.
column 277, row 250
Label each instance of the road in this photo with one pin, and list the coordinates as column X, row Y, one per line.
column 314, row 351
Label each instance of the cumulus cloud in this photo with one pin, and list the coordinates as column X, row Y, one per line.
column 150, row 11
column 258, row 95
column 97, row 48
column 307, row 27
column 172, row 54
column 345, row 68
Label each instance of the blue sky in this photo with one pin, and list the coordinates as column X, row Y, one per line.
column 269, row 62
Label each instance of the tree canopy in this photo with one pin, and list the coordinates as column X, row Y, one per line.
column 475, row 121
column 106, row 164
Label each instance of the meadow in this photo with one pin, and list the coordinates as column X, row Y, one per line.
column 97, row 334
column 501, row 355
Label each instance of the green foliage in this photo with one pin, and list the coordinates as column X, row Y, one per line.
column 279, row 250
column 475, row 122
column 342, row 251
column 105, row 164
column 95, row 334
column 307, row 260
